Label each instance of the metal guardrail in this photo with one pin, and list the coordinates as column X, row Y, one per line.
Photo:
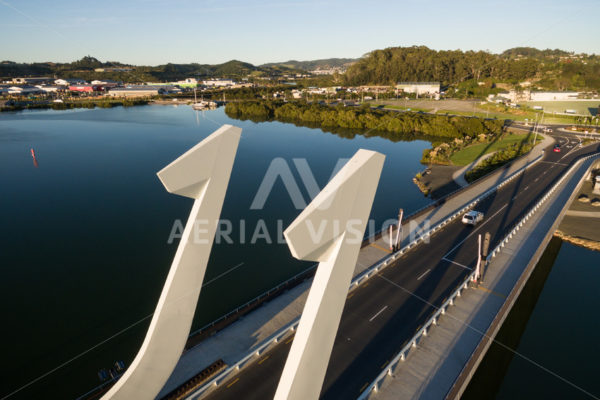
column 389, row 368
column 357, row 281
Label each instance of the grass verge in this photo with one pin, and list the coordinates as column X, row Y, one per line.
column 472, row 153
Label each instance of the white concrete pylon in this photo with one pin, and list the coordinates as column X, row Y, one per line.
column 330, row 230
column 202, row 173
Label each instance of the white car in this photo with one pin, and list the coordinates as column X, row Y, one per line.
column 472, row 218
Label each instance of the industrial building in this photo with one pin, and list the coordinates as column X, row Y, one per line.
column 419, row 88
column 218, row 82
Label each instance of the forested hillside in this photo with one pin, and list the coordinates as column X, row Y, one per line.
column 550, row 69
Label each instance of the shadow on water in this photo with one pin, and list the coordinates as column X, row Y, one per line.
column 488, row 378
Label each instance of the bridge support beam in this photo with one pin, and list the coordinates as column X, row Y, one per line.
column 202, row 173
column 330, row 230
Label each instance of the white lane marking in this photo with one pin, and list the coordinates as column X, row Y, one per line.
column 474, row 231
column 378, row 312
column 526, row 187
column 537, row 179
column 423, row 274
column 457, row 263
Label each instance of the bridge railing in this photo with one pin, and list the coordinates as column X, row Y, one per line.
column 401, row 356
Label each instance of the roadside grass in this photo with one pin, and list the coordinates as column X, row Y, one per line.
column 473, row 152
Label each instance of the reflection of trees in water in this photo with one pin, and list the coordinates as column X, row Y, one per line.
column 346, row 133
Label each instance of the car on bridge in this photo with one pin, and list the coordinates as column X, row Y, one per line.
column 472, row 218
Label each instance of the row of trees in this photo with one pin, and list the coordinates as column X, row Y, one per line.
column 365, row 118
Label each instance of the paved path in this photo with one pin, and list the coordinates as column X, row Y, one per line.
column 459, row 176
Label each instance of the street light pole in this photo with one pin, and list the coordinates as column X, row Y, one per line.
column 478, row 267
column 399, row 233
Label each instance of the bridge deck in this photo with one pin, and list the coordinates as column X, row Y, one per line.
column 235, row 341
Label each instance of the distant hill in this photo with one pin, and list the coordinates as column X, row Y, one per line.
column 325, row 63
column 84, row 68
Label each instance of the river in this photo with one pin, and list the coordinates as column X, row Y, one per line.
column 548, row 346
column 86, row 228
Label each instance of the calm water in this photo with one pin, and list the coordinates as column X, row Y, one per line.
column 554, row 330
column 84, row 249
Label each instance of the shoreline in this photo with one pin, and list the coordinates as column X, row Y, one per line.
column 578, row 241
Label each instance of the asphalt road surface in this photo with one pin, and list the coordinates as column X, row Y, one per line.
column 381, row 315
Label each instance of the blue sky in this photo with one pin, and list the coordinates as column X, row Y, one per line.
column 159, row 31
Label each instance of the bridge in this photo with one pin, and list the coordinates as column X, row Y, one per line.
column 392, row 301
column 396, row 301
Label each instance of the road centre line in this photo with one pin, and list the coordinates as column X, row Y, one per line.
column 378, row 312
column 423, row 274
